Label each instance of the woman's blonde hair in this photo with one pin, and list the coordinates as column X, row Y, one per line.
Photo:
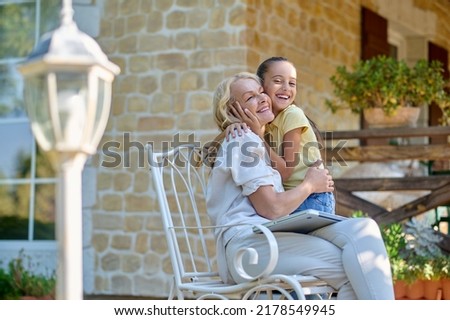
column 222, row 99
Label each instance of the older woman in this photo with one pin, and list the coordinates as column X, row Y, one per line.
column 243, row 188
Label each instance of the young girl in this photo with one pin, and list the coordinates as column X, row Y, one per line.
column 291, row 133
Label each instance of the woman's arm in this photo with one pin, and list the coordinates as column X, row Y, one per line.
column 286, row 162
column 272, row 205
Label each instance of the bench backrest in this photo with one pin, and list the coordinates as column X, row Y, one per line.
column 180, row 185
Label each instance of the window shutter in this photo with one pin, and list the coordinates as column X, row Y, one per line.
column 374, row 42
column 441, row 54
column 374, row 34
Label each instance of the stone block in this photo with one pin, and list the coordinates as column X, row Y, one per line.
column 121, row 284
column 100, row 242
column 140, row 64
column 145, row 286
column 158, row 243
column 138, row 203
column 128, row 44
column 176, row 20
column 152, row 42
column 122, row 181
column 161, row 103
column 102, row 221
column 152, row 263
column 131, row 263
column 155, row 123
column 191, row 81
column 110, row 262
column 155, row 21
column 171, row 61
column 121, row 242
column 197, row 18
column 134, row 223
column 200, row 102
column 142, row 242
column 141, row 182
column 126, row 123
column 148, row 84
column 135, row 23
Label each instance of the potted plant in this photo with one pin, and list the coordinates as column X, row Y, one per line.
column 442, row 267
column 419, row 267
column 395, row 242
column 424, row 258
column 399, row 277
column 388, row 88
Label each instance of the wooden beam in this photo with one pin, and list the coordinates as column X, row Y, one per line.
column 438, row 197
column 391, row 184
column 387, row 153
column 445, row 243
column 388, row 133
column 353, row 203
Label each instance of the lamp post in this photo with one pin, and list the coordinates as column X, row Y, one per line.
column 67, row 96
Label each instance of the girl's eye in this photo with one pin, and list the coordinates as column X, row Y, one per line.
column 248, row 99
column 292, row 84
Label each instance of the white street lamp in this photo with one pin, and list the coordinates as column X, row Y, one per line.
column 68, row 97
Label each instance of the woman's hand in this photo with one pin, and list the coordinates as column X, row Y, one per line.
column 273, row 205
column 247, row 117
column 319, row 180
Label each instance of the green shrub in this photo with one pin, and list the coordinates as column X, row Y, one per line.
column 394, row 239
column 17, row 281
column 7, row 289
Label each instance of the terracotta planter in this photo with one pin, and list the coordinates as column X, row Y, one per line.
column 400, row 289
column 445, row 288
column 403, row 117
column 415, row 290
column 432, row 289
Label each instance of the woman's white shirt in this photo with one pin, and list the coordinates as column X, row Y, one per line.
column 241, row 167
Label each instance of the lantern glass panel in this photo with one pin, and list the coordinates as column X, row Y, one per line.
column 37, row 104
column 103, row 105
column 72, row 100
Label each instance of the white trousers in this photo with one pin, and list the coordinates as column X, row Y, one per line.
column 349, row 255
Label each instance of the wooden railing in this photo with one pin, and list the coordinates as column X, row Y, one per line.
column 342, row 152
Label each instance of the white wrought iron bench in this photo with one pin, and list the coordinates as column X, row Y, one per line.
column 180, row 185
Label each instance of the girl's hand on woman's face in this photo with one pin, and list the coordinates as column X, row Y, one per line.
column 246, row 116
column 234, row 128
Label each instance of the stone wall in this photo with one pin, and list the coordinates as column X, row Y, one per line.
column 172, row 54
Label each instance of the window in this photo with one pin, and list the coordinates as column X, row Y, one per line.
column 27, row 180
